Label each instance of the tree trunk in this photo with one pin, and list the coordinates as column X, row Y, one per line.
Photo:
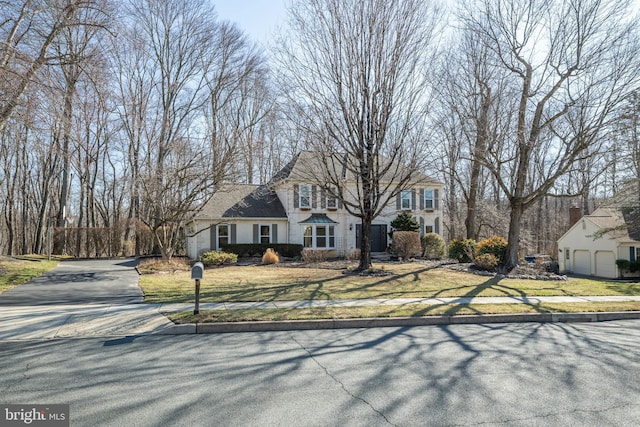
column 365, row 245
column 513, row 239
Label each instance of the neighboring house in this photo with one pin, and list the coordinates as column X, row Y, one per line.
column 593, row 244
column 294, row 208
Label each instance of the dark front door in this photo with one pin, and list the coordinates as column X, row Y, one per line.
column 378, row 237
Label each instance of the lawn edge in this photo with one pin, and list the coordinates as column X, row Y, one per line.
column 291, row 325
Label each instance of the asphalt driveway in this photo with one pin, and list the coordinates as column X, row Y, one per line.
column 80, row 282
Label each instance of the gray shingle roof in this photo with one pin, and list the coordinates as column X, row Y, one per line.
column 309, row 166
column 243, row 201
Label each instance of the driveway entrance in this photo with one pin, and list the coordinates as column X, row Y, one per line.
column 80, row 282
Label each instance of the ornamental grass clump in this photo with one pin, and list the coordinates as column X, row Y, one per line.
column 270, row 257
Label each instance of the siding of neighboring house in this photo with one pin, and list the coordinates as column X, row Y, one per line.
column 581, row 250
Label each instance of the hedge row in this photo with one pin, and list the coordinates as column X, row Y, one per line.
column 626, row 265
column 286, row 250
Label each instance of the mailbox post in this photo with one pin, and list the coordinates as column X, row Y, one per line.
column 197, row 272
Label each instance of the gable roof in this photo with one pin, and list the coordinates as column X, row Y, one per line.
column 631, row 217
column 310, row 166
column 243, row 201
column 621, row 224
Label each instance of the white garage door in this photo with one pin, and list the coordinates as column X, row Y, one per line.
column 582, row 262
column 605, row 264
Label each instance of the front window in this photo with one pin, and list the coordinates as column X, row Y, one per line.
column 405, row 200
column 223, row 236
column 428, row 228
column 308, row 236
column 265, row 233
column 305, row 196
column 332, row 202
column 319, row 236
column 428, row 199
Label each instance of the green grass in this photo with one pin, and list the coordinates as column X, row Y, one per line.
column 273, row 314
column 411, row 280
column 14, row 272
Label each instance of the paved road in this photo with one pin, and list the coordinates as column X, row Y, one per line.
column 80, row 282
column 458, row 375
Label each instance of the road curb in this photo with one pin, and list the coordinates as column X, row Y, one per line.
column 297, row 325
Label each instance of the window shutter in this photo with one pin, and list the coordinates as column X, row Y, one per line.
column 274, row 233
column 421, row 199
column 398, row 205
column 214, row 237
column 323, row 198
column 256, row 237
column 413, row 199
column 233, row 233
column 632, row 253
column 436, row 226
column 435, row 199
column 296, row 196
column 421, row 226
column 314, row 194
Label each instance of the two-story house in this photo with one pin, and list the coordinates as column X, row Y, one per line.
column 295, row 208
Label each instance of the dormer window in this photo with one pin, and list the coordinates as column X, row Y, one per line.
column 305, row 196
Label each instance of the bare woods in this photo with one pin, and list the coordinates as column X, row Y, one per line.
column 119, row 118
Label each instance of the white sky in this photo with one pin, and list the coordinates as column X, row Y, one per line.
column 257, row 18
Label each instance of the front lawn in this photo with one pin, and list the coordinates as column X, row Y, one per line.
column 410, row 280
column 275, row 314
column 14, row 272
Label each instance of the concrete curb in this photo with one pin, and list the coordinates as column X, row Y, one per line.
column 297, row 325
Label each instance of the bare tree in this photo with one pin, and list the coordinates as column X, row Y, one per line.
column 471, row 118
column 28, row 29
column 571, row 63
column 354, row 71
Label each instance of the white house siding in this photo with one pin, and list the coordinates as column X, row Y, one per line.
column 583, row 247
column 345, row 229
column 201, row 242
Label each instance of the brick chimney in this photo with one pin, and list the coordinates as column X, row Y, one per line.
column 575, row 213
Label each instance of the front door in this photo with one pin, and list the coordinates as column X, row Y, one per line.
column 378, row 237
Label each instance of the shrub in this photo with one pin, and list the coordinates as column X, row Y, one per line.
column 462, row 250
column 314, row 255
column 218, row 258
column 628, row 266
column 496, row 246
column 270, row 257
column 433, row 246
column 405, row 222
column 406, row 243
column 486, row 262
column 287, row 250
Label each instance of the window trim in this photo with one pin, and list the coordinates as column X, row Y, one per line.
column 219, row 235
column 260, row 235
column 331, row 202
column 428, row 201
column 304, row 188
column 329, row 236
column 402, row 200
